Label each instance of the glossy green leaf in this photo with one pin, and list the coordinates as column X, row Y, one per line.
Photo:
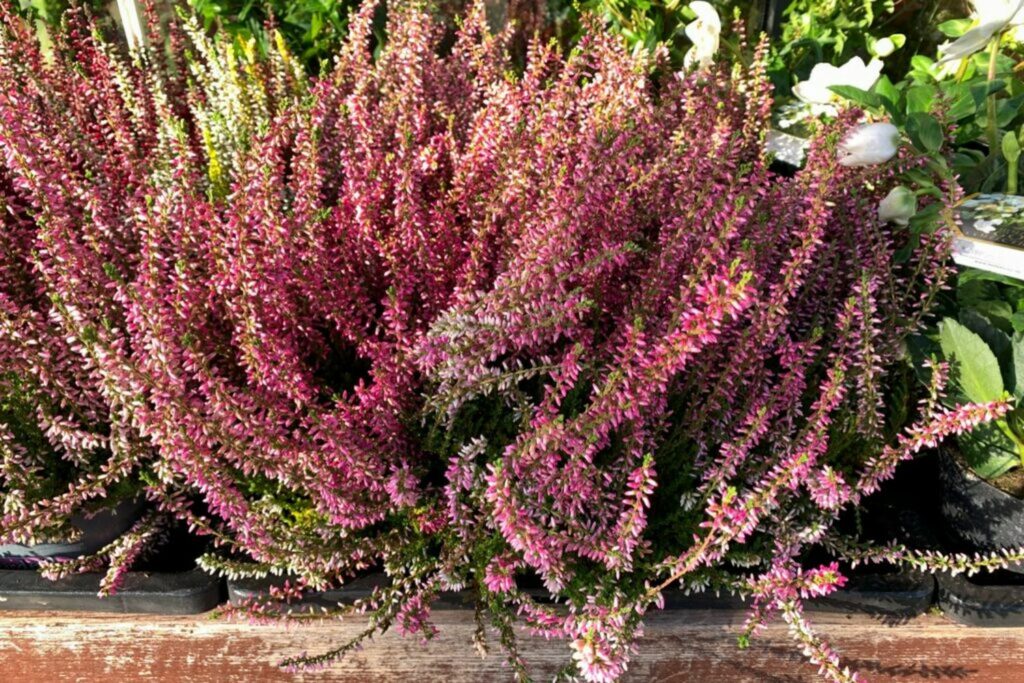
column 922, row 63
column 982, row 90
column 1008, row 110
column 963, row 104
column 860, row 97
column 954, row 28
column 998, row 312
column 886, row 90
column 925, row 132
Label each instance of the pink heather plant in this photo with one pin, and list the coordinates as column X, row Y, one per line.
column 475, row 328
column 89, row 144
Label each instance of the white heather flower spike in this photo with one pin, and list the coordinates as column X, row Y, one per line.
column 869, row 144
column 703, row 32
column 815, row 90
column 898, row 207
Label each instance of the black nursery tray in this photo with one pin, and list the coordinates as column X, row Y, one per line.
column 881, row 594
column 893, row 594
column 990, row 602
column 189, row 592
column 242, row 590
column 903, row 594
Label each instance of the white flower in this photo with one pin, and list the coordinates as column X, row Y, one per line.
column 993, row 16
column 869, row 144
column 703, row 32
column 884, row 47
column 898, row 207
column 988, row 11
column 974, row 40
column 815, row 90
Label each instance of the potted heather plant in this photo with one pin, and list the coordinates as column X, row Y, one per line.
column 36, row 468
column 562, row 330
column 75, row 468
column 557, row 337
column 51, row 421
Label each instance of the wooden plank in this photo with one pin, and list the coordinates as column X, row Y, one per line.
column 678, row 646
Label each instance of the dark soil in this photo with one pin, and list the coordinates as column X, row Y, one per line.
column 1012, row 482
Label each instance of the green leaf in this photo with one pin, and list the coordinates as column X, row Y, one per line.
column 954, row 28
column 922, row 63
column 925, row 132
column 962, row 102
column 890, row 96
column 860, row 97
column 962, row 107
column 980, row 91
column 976, row 274
column 997, row 340
column 920, row 98
column 1008, row 110
column 979, row 376
column 886, row 90
column 998, row 312
column 988, row 450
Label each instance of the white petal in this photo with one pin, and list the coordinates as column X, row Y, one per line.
column 706, row 12
column 974, row 40
column 993, row 11
column 869, row 144
column 884, row 47
column 704, row 33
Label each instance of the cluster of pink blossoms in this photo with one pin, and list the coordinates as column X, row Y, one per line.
column 469, row 326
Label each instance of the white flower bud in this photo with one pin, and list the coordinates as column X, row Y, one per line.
column 869, row 144
column 898, row 207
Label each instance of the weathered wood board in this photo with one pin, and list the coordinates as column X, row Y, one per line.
column 679, row 646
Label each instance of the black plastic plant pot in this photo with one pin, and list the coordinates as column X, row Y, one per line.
column 97, row 530
column 165, row 582
column 881, row 594
column 173, row 593
column 893, row 594
column 978, row 516
column 990, row 601
column 899, row 594
column 241, row 591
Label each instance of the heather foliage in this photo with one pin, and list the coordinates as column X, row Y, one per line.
column 91, row 145
column 473, row 327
